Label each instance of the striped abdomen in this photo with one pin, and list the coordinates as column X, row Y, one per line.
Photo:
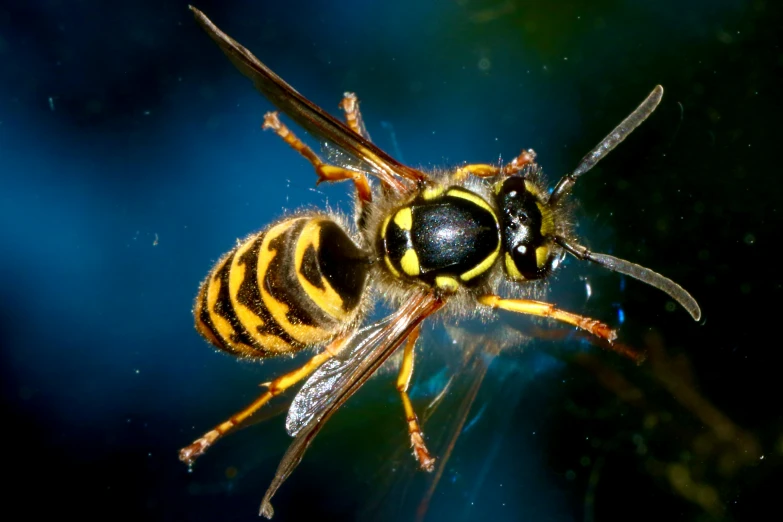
column 295, row 285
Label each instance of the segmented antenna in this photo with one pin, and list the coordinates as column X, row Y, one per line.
column 641, row 273
column 614, row 138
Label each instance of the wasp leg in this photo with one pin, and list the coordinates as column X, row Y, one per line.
column 484, row 170
column 353, row 116
column 426, row 461
column 325, row 172
column 190, row 453
column 527, row 306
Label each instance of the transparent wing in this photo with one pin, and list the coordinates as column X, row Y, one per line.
column 308, row 115
column 314, row 396
column 336, row 156
column 322, row 396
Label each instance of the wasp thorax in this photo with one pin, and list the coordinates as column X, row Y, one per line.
column 446, row 237
column 527, row 227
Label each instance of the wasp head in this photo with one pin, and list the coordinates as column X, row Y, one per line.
column 528, row 229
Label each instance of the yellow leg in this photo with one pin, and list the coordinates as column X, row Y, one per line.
column 483, row 170
column 325, row 172
column 526, row 306
column 353, row 117
column 426, row 461
column 190, row 453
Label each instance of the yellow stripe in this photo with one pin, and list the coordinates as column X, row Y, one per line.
column 410, row 263
column 481, row 267
column 327, row 299
column 404, row 218
column 223, row 327
column 390, row 266
column 447, row 283
column 385, row 225
column 278, row 309
column 201, row 326
column 253, row 324
column 473, row 198
column 432, row 192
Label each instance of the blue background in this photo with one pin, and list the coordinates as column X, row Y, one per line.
column 131, row 158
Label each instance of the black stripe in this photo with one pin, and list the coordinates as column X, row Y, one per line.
column 282, row 281
column 205, row 320
column 225, row 309
column 205, row 316
column 310, row 270
column 250, row 296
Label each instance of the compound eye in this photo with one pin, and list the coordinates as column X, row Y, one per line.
column 525, row 259
column 529, row 262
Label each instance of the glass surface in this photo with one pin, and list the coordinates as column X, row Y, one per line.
column 132, row 158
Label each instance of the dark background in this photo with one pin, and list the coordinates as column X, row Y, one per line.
column 122, row 123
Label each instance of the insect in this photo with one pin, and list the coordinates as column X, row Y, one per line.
column 426, row 242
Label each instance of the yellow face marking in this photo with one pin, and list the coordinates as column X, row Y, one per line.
column 390, row 266
column 327, row 299
column 447, row 283
column 278, row 309
column 473, row 198
column 432, row 192
column 512, row 269
column 530, row 187
column 385, row 225
column 481, row 267
column 404, row 218
column 410, row 263
column 542, row 253
column 547, row 221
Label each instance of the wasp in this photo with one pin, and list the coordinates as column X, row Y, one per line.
column 425, row 242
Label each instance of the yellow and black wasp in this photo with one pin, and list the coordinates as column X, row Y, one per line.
column 448, row 241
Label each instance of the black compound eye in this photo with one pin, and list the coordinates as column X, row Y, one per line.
column 524, row 258
column 533, row 263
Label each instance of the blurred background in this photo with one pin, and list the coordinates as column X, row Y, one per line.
column 131, row 158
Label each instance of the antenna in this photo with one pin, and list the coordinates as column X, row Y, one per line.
column 638, row 272
column 614, row 138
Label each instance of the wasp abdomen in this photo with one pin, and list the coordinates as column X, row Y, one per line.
column 445, row 237
column 295, row 285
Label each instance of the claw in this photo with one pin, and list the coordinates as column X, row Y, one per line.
column 189, row 454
